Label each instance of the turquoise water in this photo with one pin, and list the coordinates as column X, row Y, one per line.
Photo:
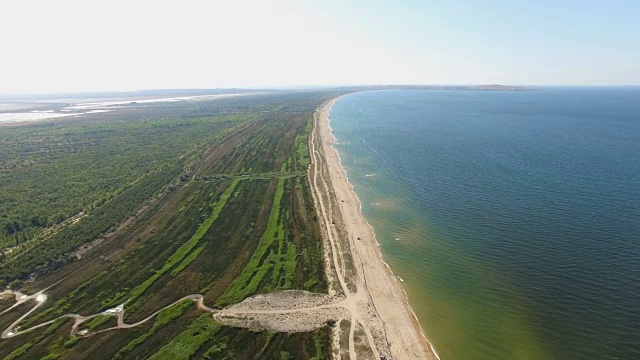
column 512, row 217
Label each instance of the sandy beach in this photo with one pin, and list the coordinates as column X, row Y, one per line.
column 378, row 300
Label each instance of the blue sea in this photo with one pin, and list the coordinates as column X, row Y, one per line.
column 512, row 217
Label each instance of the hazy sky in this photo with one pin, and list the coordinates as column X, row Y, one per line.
column 62, row 45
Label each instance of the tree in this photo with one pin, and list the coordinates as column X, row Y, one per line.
column 15, row 284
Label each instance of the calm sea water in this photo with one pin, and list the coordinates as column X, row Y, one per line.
column 512, row 217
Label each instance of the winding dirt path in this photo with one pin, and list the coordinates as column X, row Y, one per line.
column 117, row 312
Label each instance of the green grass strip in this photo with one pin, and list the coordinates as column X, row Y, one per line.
column 19, row 351
column 163, row 318
column 98, row 320
column 54, row 309
column 187, row 261
column 302, row 146
column 24, row 348
column 289, row 262
column 237, row 291
column 185, row 345
column 189, row 245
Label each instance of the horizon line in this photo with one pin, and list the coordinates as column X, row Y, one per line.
column 294, row 87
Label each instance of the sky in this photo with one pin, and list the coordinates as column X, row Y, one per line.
column 70, row 45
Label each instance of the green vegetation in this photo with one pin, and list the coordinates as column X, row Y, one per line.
column 187, row 261
column 50, row 172
column 71, row 341
column 214, row 351
column 219, row 204
column 52, row 356
column 192, row 338
column 19, row 351
column 56, row 308
column 302, row 145
column 50, row 253
column 254, row 272
column 54, row 326
column 163, row 318
column 188, row 246
column 98, row 321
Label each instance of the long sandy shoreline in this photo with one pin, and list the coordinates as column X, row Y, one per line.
column 402, row 333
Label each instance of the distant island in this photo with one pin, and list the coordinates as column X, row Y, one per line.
column 498, row 87
column 491, row 87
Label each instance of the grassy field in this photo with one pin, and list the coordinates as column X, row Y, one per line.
column 209, row 197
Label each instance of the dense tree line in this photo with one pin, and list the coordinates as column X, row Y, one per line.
column 54, row 251
column 50, row 173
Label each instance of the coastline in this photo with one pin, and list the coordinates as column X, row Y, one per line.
column 379, row 299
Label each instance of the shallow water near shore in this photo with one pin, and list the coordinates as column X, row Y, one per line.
column 512, row 217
